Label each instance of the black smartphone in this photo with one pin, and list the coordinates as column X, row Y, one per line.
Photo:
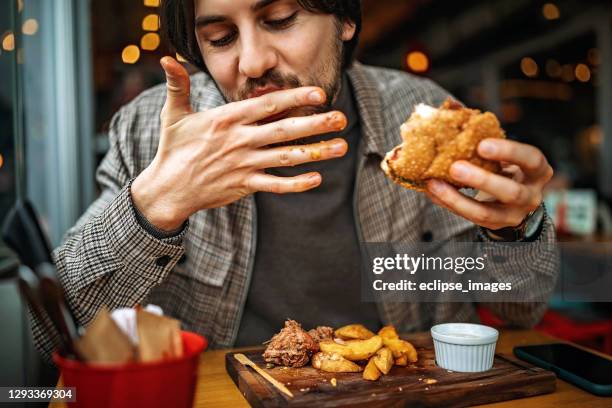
column 586, row 370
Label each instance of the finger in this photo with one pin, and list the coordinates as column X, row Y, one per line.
column 488, row 215
column 435, row 200
column 282, row 185
column 502, row 188
column 255, row 109
column 294, row 155
column 529, row 158
column 514, row 172
column 177, row 102
column 296, row 128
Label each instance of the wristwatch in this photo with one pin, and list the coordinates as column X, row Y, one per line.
column 528, row 229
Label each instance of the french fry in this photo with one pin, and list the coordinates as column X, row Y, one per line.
column 353, row 350
column 371, row 372
column 388, row 332
column 401, row 348
column 353, row 331
column 334, row 363
column 383, row 360
column 402, row 360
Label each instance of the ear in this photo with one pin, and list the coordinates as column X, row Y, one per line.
column 348, row 30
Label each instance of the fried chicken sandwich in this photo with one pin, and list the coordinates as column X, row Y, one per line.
column 434, row 138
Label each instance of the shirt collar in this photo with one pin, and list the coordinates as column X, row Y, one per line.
column 369, row 107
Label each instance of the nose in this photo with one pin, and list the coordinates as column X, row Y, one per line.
column 257, row 55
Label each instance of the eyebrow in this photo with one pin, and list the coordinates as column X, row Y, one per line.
column 202, row 21
column 262, row 4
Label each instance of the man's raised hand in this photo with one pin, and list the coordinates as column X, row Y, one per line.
column 210, row 159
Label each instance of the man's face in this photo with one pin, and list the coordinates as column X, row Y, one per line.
column 252, row 47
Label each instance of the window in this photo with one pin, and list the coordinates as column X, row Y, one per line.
column 50, row 68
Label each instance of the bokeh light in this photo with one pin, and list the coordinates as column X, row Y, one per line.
column 149, row 42
column 529, row 67
column 567, row 73
column 550, row 11
column 150, row 22
column 553, row 68
column 8, row 41
column 130, row 54
column 594, row 56
column 417, row 61
column 583, row 73
column 30, row 26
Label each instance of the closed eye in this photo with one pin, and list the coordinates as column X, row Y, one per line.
column 281, row 23
column 222, row 42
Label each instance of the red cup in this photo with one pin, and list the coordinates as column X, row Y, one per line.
column 168, row 383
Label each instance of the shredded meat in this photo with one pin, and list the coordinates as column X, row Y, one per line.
column 321, row 333
column 291, row 347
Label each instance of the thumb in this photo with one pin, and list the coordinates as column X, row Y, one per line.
column 177, row 84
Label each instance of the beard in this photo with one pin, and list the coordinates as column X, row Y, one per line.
column 327, row 75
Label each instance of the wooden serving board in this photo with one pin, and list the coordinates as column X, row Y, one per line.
column 410, row 386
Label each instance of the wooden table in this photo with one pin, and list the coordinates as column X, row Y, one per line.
column 215, row 389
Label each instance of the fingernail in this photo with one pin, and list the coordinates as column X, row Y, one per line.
column 314, row 179
column 339, row 121
column 338, row 148
column 435, row 186
column 316, row 96
column 461, row 171
column 487, row 148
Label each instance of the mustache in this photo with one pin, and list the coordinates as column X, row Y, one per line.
column 272, row 77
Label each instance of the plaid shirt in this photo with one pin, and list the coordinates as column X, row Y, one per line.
column 202, row 275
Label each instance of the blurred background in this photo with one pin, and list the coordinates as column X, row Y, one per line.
column 544, row 67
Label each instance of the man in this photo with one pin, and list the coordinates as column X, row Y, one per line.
column 194, row 215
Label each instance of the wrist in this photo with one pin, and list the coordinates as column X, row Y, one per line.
column 525, row 231
column 150, row 203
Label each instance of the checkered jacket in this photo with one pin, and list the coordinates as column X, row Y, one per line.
column 202, row 275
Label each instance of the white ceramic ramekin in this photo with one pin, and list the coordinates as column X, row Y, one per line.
column 464, row 347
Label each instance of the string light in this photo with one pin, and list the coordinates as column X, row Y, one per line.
column 551, row 11
column 151, row 3
column 1, row 160
column 30, row 26
column 149, row 42
column 130, row 54
column 417, row 61
column 150, row 22
column 529, row 67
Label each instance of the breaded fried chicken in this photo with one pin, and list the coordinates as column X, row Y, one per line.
column 434, row 139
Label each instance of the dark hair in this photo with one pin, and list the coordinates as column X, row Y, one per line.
column 178, row 25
